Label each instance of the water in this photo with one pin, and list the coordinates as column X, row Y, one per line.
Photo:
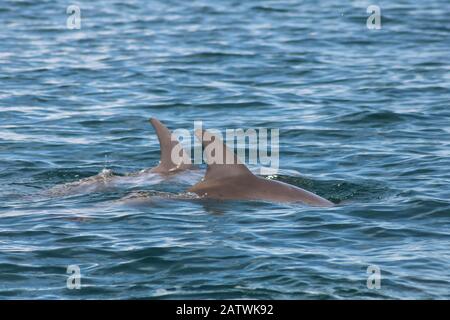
column 363, row 118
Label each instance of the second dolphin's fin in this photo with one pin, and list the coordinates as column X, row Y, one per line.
column 222, row 162
column 169, row 162
column 228, row 178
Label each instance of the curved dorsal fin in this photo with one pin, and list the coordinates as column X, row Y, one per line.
column 166, row 143
column 222, row 162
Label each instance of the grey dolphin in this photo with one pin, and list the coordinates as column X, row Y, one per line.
column 171, row 160
column 106, row 180
column 227, row 181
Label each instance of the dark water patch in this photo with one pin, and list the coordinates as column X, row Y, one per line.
column 385, row 117
column 340, row 191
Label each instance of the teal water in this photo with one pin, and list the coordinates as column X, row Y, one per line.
column 364, row 121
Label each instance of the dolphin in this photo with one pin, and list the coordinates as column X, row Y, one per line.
column 173, row 158
column 106, row 180
column 228, row 180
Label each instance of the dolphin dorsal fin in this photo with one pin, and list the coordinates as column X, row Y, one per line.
column 224, row 163
column 167, row 144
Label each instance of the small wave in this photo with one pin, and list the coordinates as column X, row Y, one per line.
column 376, row 117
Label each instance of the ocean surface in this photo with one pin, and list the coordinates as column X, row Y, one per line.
column 364, row 121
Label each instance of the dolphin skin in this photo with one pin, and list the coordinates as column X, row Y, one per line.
column 227, row 180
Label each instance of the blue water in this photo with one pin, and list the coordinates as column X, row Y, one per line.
column 364, row 121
